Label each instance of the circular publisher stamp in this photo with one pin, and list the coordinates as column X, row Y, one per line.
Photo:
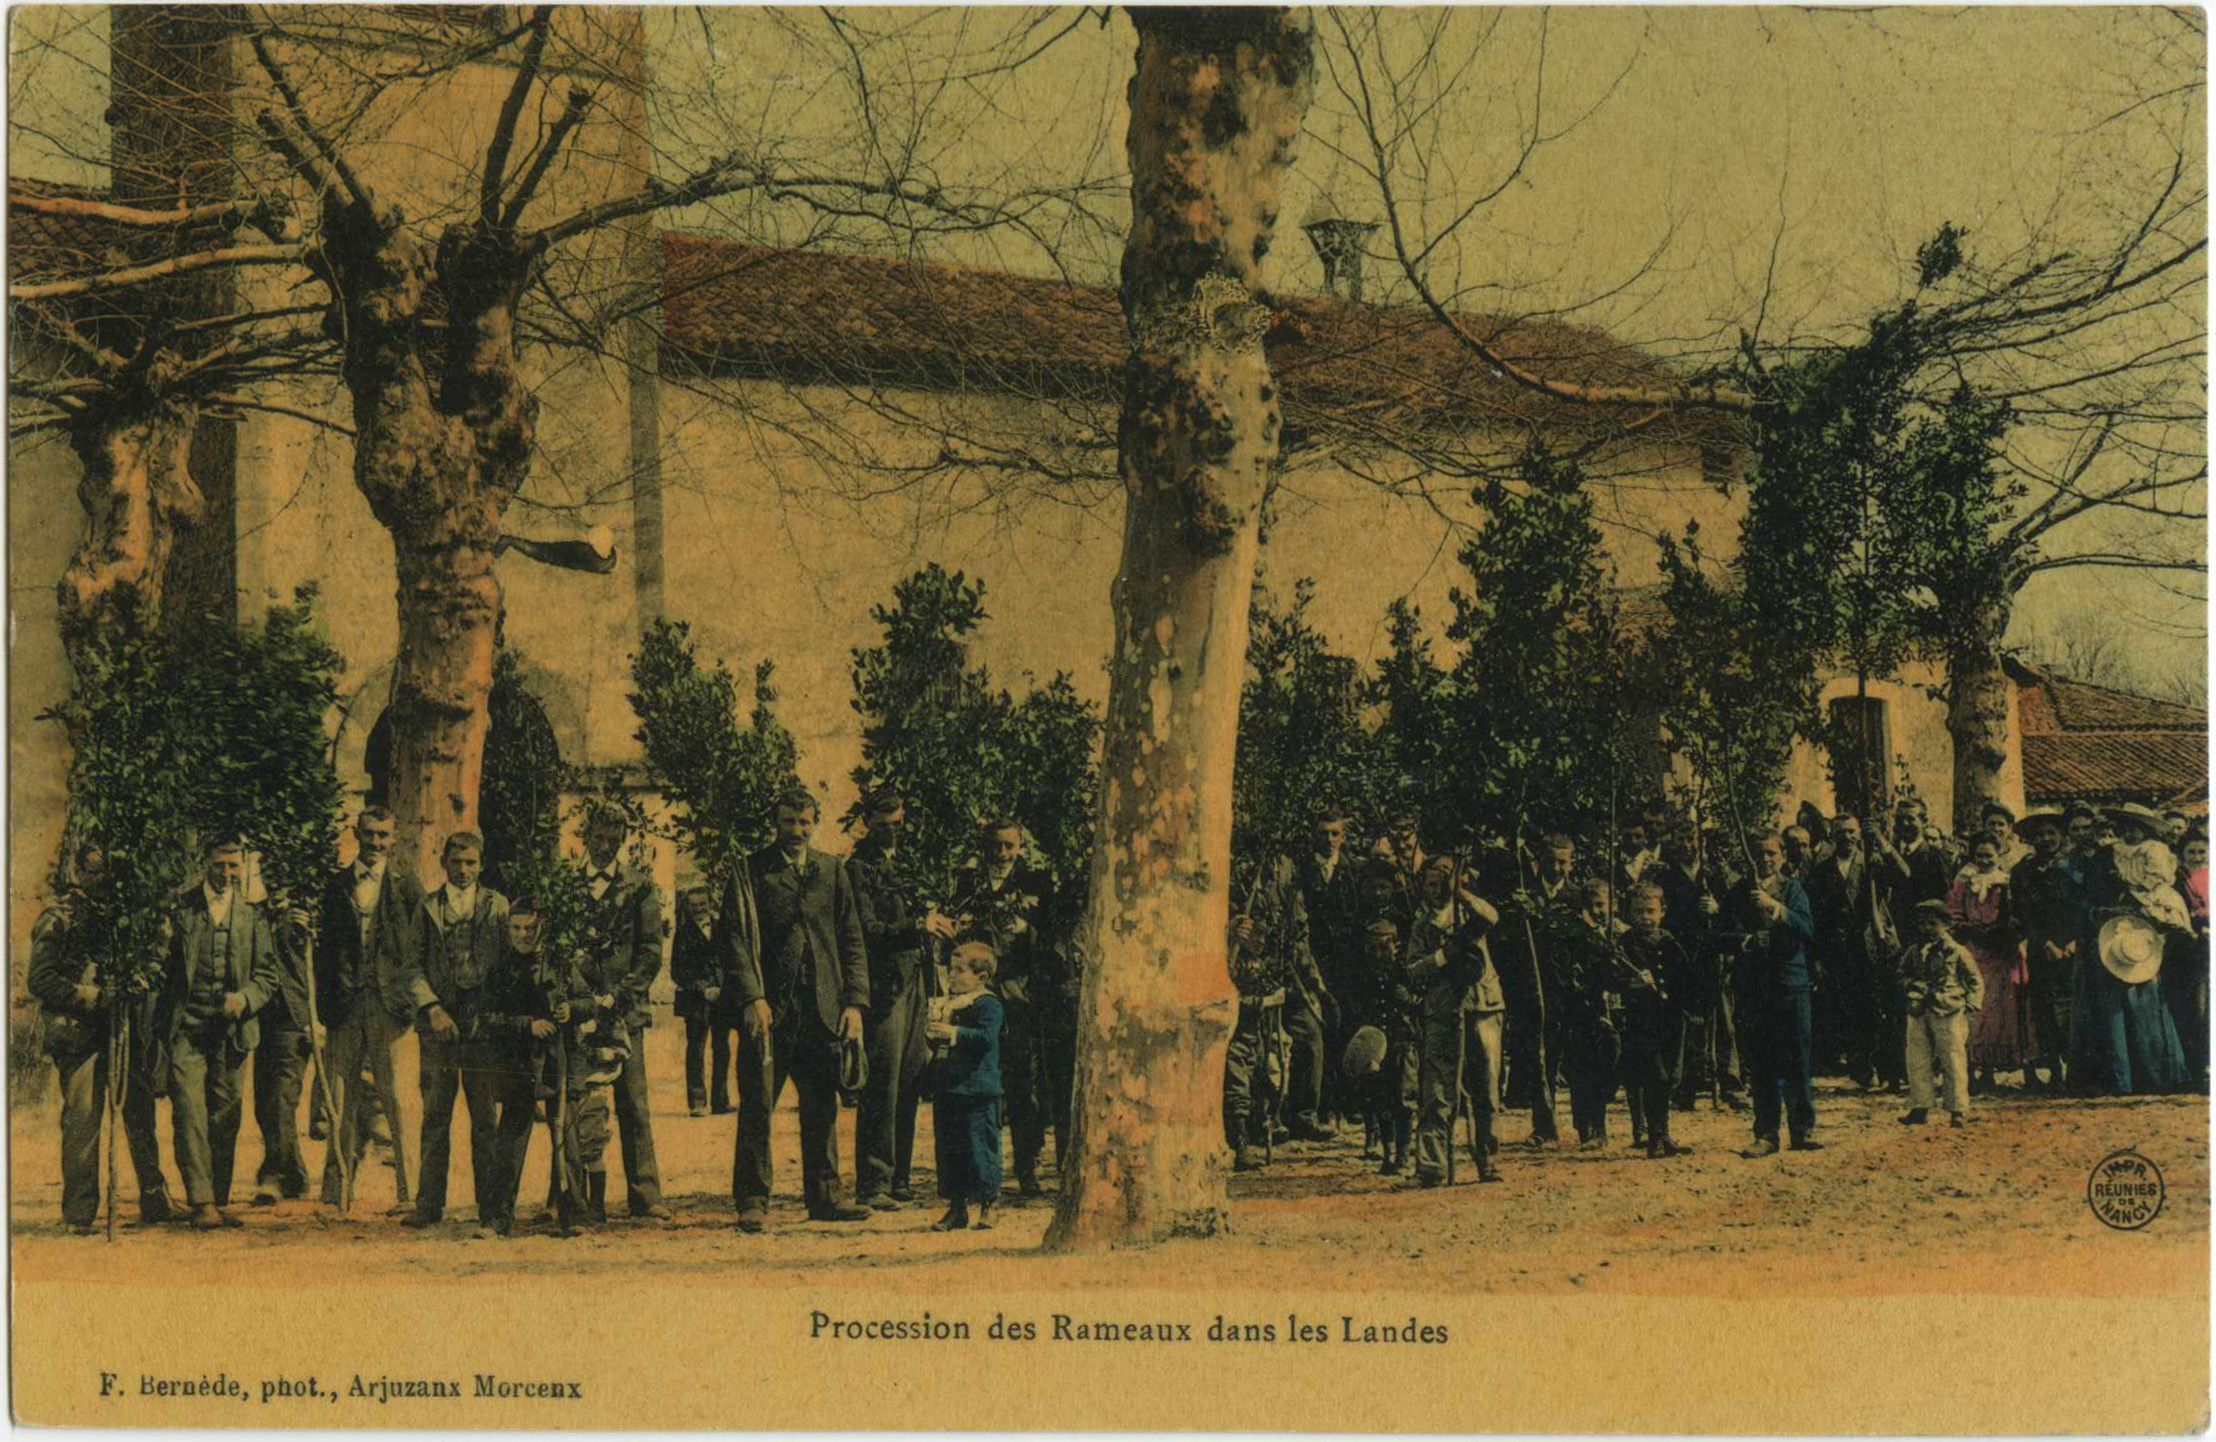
column 2125, row 1190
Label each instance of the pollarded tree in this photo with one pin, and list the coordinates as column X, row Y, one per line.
column 426, row 311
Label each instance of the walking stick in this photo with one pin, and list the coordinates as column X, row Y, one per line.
column 119, row 1067
column 1461, row 1032
column 339, row 1139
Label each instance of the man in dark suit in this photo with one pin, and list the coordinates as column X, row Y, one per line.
column 222, row 970
column 697, row 970
column 1006, row 901
column 462, row 941
column 1269, row 928
column 895, row 928
column 1692, row 898
column 1331, row 894
column 73, row 979
column 800, row 975
column 365, row 940
column 1767, row 919
column 1855, row 946
column 280, row 1066
column 627, row 936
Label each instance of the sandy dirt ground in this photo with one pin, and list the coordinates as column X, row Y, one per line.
column 1883, row 1210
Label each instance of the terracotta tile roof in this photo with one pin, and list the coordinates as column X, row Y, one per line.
column 2093, row 743
column 748, row 308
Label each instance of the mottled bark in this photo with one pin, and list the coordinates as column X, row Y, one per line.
column 1980, row 700
column 438, row 460
column 1216, row 107
column 137, row 493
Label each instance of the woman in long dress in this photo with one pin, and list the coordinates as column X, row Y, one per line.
column 2122, row 1037
column 2000, row 1033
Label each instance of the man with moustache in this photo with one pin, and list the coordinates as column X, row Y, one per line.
column 798, row 970
column 365, row 941
column 462, row 944
column 1855, row 938
column 1003, row 900
column 1692, row 898
column 2043, row 890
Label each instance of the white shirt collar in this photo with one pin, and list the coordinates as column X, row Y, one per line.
column 459, row 901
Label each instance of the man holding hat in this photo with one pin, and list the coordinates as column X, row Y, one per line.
column 2125, row 1041
column 797, row 968
column 896, row 927
column 2043, row 888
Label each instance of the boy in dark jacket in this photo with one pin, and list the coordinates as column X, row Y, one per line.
column 1656, row 976
column 965, row 1114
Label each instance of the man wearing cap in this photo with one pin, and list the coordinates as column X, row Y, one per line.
column 797, row 966
column 625, row 930
column 2125, row 1041
column 2043, row 889
column 222, row 969
column 81, row 986
column 897, row 928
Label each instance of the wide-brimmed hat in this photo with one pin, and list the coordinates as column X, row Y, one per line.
column 1364, row 1054
column 2032, row 820
column 2131, row 948
column 2145, row 816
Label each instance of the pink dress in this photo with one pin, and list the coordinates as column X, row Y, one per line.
column 2000, row 1031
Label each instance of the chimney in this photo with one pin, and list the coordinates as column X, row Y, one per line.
column 1338, row 242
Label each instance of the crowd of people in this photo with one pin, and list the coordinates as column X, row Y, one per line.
column 1384, row 987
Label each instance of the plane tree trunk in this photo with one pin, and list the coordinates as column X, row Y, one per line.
column 444, row 430
column 1980, row 700
column 137, row 493
column 1216, row 107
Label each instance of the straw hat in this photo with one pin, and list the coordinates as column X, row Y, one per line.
column 2139, row 815
column 2131, row 948
column 2032, row 820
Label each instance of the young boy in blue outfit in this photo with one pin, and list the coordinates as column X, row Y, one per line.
column 965, row 1114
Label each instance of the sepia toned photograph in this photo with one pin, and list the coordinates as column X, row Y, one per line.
column 1012, row 718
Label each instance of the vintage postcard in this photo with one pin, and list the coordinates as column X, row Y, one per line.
column 1024, row 718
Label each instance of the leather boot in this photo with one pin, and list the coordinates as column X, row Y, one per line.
column 596, row 1198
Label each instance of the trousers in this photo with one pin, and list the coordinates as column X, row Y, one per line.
column 799, row 1047
column 1477, row 1036
column 1653, row 1043
column 467, row 1067
column 1774, row 1034
column 517, row 1105
column 1943, row 1041
column 1591, row 1053
column 280, row 1066
column 1247, row 1084
column 1019, row 1080
column 885, row 1116
column 205, row 1106
column 1304, row 1061
column 708, row 1048
column 367, row 1039
column 634, row 1113
column 84, row 1089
